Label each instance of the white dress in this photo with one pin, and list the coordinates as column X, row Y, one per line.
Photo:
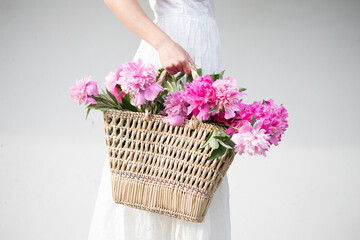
column 191, row 24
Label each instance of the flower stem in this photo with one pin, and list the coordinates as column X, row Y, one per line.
column 230, row 126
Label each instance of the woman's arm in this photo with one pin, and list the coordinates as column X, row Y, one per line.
column 172, row 56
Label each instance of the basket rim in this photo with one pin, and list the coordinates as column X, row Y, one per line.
column 158, row 117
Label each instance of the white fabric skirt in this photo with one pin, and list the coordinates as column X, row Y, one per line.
column 111, row 221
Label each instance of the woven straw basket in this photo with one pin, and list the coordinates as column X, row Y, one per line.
column 161, row 168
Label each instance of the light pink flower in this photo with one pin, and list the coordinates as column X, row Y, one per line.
column 251, row 139
column 83, row 89
column 112, row 86
column 227, row 96
column 200, row 94
column 139, row 80
column 175, row 108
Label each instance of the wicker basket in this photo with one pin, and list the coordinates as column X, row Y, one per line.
column 161, row 168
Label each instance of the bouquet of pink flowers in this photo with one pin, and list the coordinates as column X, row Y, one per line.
column 251, row 128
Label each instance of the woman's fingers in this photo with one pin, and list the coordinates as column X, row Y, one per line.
column 172, row 69
column 174, row 58
column 172, row 72
column 181, row 66
column 186, row 68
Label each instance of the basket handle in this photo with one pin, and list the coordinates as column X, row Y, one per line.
column 194, row 122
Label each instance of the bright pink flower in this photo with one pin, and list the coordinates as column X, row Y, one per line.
column 273, row 118
column 83, row 89
column 200, row 94
column 220, row 116
column 245, row 115
column 112, row 86
column 227, row 96
column 175, row 108
column 251, row 139
column 139, row 80
column 275, row 122
column 236, row 121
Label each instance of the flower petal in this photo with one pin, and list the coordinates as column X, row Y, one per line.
column 91, row 88
column 139, row 99
column 91, row 100
column 174, row 120
column 229, row 114
column 203, row 112
column 152, row 91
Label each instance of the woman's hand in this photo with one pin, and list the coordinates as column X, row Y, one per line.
column 174, row 58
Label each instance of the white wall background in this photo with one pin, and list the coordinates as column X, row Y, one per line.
column 304, row 54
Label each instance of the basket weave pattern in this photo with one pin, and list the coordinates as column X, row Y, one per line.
column 160, row 168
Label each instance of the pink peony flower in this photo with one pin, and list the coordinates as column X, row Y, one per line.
column 245, row 115
column 175, row 108
column 83, row 89
column 275, row 122
column 227, row 96
column 200, row 94
column 139, row 80
column 220, row 116
column 112, row 86
column 236, row 121
column 273, row 119
column 251, row 139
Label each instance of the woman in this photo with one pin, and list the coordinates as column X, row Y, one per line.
column 182, row 32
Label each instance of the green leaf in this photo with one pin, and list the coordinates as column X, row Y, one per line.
column 221, row 74
column 143, row 106
column 222, row 138
column 160, row 70
column 180, row 75
column 213, row 142
column 253, row 120
column 213, row 77
column 208, row 138
column 242, row 89
column 102, row 106
column 103, row 98
column 225, row 145
column 92, row 106
column 169, row 78
column 87, row 113
column 223, row 133
column 217, row 153
column 113, row 98
column 170, row 86
column 199, row 71
column 126, row 104
column 103, row 92
column 212, row 110
column 103, row 109
column 216, row 76
column 157, row 105
column 181, row 85
column 189, row 78
column 230, row 143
